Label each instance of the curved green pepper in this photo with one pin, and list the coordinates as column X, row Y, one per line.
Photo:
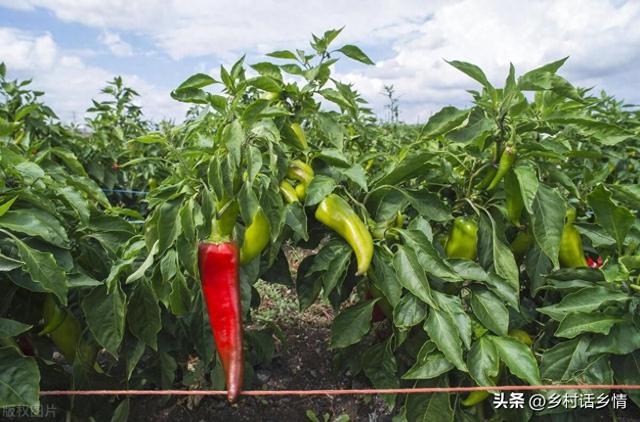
column 300, row 136
column 336, row 213
column 488, row 177
column 474, row 398
column 463, row 240
column 68, row 339
column 507, row 159
column 53, row 315
column 300, row 171
column 256, row 237
column 301, row 191
column 521, row 244
column 571, row 253
column 226, row 218
column 513, row 198
column 288, row 192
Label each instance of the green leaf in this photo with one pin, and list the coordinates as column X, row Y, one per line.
column 296, row 218
column 335, row 274
column 383, row 276
column 355, row 53
column 429, row 407
column 627, row 372
column 357, row 175
column 490, row 310
column 503, row 260
column 146, row 264
column 549, row 209
column 581, row 322
column 411, row 275
column 168, row 225
column 563, row 360
column 483, row 361
column 584, row 300
column 199, row 80
column 414, row 165
column 452, row 305
column 44, row 270
column 430, row 363
column 352, row 324
column 7, row 205
column 121, row 414
column 528, row 182
column 441, row 329
column 380, row 366
column 11, row 328
column 623, row 338
column 616, row 220
column 518, row 358
column 319, row 188
column 473, row 72
column 19, row 379
column 428, row 256
column 409, row 311
column 143, row 315
column 428, row 205
column 35, row 222
column 105, row 315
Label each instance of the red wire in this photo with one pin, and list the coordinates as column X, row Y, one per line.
column 336, row 392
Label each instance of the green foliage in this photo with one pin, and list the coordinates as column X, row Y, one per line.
column 133, row 286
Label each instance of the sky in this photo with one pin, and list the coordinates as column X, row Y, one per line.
column 71, row 48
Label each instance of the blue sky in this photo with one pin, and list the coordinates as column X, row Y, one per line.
column 71, row 48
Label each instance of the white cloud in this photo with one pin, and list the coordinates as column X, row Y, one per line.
column 413, row 37
column 68, row 82
column 602, row 40
column 115, row 44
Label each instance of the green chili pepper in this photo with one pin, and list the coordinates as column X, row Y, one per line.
column 288, row 192
column 300, row 171
column 256, row 237
column 513, row 198
column 336, row 213
column 571, row 253
column 463, row 240
column 507, row 159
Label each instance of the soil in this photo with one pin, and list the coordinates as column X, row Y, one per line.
column 305, row 364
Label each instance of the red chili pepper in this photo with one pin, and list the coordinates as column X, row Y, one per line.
column 594, row 263
column 218, row 263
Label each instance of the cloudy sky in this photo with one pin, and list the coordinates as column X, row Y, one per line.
column 72, row 47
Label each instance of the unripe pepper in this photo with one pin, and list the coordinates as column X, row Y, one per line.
column 513, row 198
column 301, row 191
column 336, row 213
column 522, row 336
column 474, row 398
column 52, row 314
column 256, row 237
column 571, row 253
column 507, row 159
column 67, row 334
column 488, row 177
column 288, row 192
column 226, row 218
column 300, row 171
column 218, row 265
column 299, row 134
column 521, row 244
column 463, row 240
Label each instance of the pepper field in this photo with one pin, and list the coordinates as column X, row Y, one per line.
column 494, row 245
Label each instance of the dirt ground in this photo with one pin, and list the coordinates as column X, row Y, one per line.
column 305, row 364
